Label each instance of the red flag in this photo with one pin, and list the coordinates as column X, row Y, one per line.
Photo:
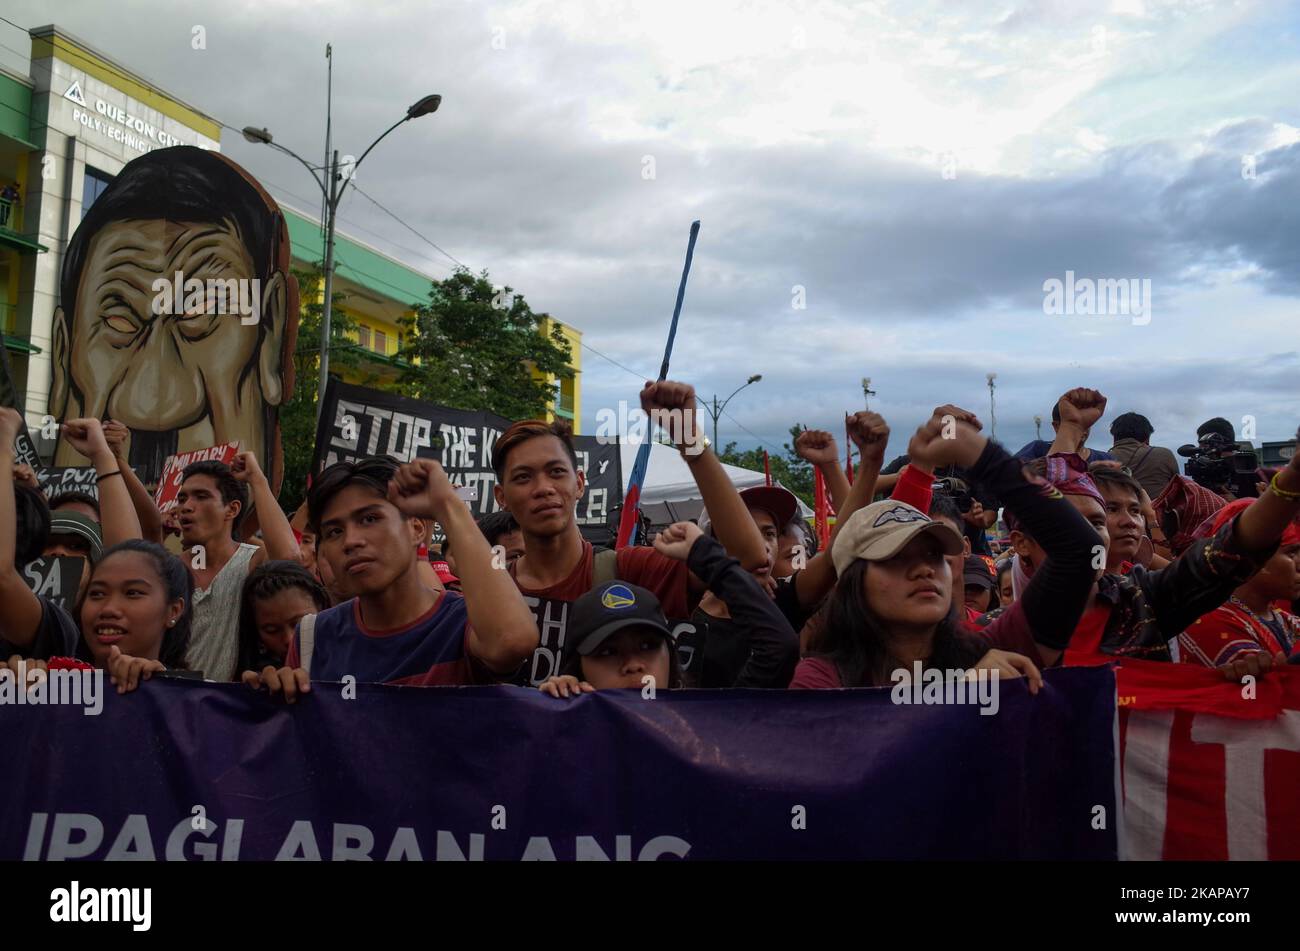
column 1209, row 767
column 821, row 509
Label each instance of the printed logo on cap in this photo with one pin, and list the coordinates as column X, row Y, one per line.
column 899, row 513
column 617, row 597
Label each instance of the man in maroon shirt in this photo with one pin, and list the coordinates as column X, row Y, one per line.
column 538, row 482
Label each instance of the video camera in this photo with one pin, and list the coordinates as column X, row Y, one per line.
column 1221, row 465
column 955, row 489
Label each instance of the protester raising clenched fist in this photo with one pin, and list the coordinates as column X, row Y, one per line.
column 672, row 406
column 116, row 434
column 86, row 436
column 420, row 488
column 870, row 433
column 245, row 468
column 950, row 437
column 816, row 447
column 677, row 539
column 1082, row 407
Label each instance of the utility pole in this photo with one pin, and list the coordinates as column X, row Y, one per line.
column 867, row 392
column 993, row 417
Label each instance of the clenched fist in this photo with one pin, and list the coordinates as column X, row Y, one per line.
column 677, row 539
column 420, row 488
column 948, row 438
column 672, row 407
column 1082, row 407
column 816, row 447
column 870, row 433
column 244, row 467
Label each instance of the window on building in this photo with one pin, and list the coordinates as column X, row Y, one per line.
column 93, row 185
column 363, row 336
column 381, row 342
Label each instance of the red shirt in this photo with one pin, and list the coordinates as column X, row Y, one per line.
column 1217, row 638
column 1084, row 649
column 814, row 673
column 666, row 578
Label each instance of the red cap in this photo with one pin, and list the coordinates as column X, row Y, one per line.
column 443, row 571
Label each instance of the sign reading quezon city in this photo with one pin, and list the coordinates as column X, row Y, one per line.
column 120, row 125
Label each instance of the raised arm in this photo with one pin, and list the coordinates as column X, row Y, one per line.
column 278, row 535
column 773, row 644
column 1079, row 409
column 817, row 448
column 672, row 406
column 1043, row 620
column 502, row 632
column 21, row 617
column 151, row 520
column 1260, row 527
column 870, row 433
column 1210, row 569
column 117, row 519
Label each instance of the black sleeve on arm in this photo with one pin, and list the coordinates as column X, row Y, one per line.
column 773, row 644
column 1200, row 579
column 1057, row 594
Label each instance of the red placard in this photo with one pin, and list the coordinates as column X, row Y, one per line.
column 169, row 483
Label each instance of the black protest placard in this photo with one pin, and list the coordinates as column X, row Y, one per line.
column 357, row 421
column 56, row 480
column 60, row 479
column 57, row 579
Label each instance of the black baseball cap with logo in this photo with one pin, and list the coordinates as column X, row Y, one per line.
column 609, row 608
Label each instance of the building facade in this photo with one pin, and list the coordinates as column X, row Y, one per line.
column 66, row 130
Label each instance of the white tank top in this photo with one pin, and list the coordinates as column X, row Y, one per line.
column 214, row 635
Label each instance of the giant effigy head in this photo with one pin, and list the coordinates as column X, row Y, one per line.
column 178, row 311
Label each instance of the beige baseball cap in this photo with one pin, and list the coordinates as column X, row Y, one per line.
column 882, row 529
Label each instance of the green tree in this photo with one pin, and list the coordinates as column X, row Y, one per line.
column 474, row 347
column 298, row 415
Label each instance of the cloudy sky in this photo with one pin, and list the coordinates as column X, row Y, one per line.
column 914, row 171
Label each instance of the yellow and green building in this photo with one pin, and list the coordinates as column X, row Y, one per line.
column 67, row 127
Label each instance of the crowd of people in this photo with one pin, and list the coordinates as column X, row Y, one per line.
column 1107, row 555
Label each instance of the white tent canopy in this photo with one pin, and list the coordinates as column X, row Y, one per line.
column 669, row 493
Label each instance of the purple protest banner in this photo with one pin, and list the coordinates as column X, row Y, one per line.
column 183, row 771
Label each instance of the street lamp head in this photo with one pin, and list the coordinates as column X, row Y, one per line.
column 754, row 379
column 257, row 135
column 424, row 106
column 992, row 377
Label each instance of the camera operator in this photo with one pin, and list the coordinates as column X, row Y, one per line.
column 1219, row 464
column 1152, row 466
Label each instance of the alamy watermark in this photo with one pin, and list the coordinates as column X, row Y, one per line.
column 631, row 424
column 78, row 904
column 242, row 296
column 977, row 687
column 41, row 687
column 1104, row 297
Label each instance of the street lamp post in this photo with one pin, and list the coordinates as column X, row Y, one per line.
column 715, row 410
column 867, row 392
column 993, row 418
column 332, row 191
